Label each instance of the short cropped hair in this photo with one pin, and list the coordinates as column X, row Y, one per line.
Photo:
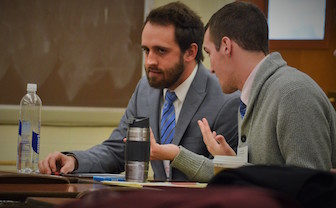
column 242, row 22
column 188, row 25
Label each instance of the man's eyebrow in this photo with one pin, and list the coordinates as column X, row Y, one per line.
column 156, row 47
column 163, row 47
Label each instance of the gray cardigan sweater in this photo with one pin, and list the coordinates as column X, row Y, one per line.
column 289, row 121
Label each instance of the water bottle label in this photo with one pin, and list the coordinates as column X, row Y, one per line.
column 20, row 127
column 24, row 128
column 36, row 142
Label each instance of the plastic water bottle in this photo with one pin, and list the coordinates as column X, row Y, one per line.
column 29, row 131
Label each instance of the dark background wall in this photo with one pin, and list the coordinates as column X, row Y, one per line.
column 79, row 52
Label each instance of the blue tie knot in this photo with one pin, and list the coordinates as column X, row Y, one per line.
column 242, row 109
column 170, row 96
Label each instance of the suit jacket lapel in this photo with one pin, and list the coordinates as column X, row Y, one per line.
column 154, row 112
column 154, row 120
column 193, row 100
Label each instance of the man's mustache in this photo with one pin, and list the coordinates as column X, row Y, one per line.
column 154, row 69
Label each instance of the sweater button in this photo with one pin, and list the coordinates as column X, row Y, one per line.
column 243, row 138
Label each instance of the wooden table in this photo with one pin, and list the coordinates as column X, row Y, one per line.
column 19, row 192
column 45, row 191
column 47, row 202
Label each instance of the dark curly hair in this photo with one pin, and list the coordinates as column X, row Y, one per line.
column 188, row 25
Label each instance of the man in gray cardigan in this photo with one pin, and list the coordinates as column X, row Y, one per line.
column 285, row 118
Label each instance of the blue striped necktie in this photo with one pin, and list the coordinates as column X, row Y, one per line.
column 242, row 109
column 168, row 118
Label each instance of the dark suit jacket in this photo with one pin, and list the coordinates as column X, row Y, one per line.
column 204, row 100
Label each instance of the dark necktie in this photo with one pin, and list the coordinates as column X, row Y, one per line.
column 242, row 109
column 168, row 118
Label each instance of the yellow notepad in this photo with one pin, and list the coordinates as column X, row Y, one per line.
column 156, row 184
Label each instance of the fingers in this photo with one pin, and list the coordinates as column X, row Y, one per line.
column 68, row 164
column 162, row 152
column 153, row 145
column 224, row 147
column 216, row 144
column 152, row 138
column 48, row 165
column 56, row 162
column 52, row 162
column 208, row 135
column 44, row 168
column 220, row 139
column 204, row 127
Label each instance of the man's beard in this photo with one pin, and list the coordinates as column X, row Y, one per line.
column 170, row 76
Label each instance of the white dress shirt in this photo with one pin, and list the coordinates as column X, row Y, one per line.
column 181, row 93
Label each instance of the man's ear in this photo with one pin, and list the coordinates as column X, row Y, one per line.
column 191, row 53
column 226, row 45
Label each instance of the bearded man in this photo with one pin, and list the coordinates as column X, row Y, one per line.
column 172, row 39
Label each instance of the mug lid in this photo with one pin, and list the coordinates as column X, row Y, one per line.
column 140, row 122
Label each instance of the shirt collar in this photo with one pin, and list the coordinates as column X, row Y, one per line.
column 245, row 94
column 182, row 90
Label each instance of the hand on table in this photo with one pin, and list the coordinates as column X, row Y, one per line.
column 57, row 162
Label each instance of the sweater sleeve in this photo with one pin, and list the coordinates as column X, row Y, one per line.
column 196, row 167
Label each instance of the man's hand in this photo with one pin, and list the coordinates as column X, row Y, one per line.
column 57, row 162
column 162, row 152
column 216, row 144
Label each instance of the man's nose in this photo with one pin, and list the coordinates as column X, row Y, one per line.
column 151, row 59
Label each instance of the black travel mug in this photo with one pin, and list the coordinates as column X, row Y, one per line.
column 137, row 150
